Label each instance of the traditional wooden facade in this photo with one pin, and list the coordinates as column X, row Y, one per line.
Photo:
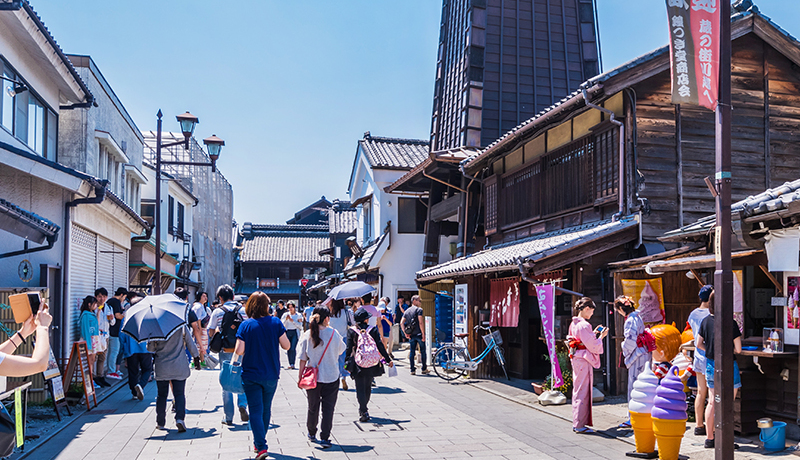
column 617, row 148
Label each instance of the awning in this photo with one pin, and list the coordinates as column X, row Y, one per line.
column 749, row 257
column 372, row 254
column 544, row 252
column 322, row 284
column 26, row 224
column 362, row 200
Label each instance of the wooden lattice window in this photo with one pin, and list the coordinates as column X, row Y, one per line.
column 491, row 205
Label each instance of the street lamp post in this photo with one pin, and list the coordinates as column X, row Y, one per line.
column 213, row 144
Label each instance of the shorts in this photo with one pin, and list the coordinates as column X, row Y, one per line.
column 699, row 361
column 737, row 379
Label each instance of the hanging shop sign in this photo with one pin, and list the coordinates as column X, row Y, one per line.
column 648, row 295
column 546, row 295
column 694, row 51
column 504, row 301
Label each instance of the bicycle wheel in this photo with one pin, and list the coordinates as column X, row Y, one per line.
column 443, row 357
column 498, row 353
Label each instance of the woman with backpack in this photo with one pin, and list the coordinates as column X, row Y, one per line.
column 341, row 319
column 363, row 359
column 314, row 349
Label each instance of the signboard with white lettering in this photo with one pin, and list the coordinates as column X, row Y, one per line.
column 694, row 50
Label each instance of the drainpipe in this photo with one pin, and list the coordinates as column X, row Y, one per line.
column 621, row 192
column 99, row 196
column 51, row 241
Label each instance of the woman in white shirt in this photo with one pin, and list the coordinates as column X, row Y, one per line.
column 321, row 346
column 293, row 322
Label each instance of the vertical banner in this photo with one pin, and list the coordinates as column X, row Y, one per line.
column 461, row 313
column 20, row 426
column 648, row 295
column 504, row 301
column 546, row 295
column 694, row 50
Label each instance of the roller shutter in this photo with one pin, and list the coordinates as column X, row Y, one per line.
column 82, row 275
column 105, row 264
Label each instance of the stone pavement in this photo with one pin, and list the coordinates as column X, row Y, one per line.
column 415, row 417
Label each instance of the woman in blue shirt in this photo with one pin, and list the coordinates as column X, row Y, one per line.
column 90, row 329
column 257, row 342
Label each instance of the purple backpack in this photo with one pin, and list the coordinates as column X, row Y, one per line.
column 367, row 354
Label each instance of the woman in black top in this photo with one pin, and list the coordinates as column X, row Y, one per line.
column 363, row 375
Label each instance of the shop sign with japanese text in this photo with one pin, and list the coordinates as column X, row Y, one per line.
column 694, row 49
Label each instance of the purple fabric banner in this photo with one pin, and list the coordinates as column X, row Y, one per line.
column 546, row 295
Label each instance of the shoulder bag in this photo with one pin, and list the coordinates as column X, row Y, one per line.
column 308, row 381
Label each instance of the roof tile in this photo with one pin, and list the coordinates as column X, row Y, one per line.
column 392, row 153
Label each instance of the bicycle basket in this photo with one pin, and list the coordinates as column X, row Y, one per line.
column 498, row 339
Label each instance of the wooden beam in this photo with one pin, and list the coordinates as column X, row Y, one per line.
column 697, row 277
column 446, row 208
column 778, row 285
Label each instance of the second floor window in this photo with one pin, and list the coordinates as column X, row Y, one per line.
column 28, row 118
column 582, row 173
column 366, row 214
column 411, row 215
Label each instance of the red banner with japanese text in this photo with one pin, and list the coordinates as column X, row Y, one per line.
column 504, row 301
column 694, row 50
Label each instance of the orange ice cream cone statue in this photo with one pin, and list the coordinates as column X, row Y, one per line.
column 669, row 415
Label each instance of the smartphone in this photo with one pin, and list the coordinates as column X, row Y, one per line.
column 600, row 329
column 24, row 305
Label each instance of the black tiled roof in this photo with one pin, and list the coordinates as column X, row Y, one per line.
column 342, row 218
column 284, row 243
column 48, row 229
column 774, row 199
column 364, row 263
column 504, row 256
column 391, row 153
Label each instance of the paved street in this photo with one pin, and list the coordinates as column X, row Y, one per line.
column 418, row 417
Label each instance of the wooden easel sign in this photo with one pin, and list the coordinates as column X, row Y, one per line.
column 55, row 386
column 80, row 355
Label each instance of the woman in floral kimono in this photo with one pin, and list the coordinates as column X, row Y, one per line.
column 636, row 346
column 585, row 348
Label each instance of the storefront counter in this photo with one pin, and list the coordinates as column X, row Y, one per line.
column 769, row 388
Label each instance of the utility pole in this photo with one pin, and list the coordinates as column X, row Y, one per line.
column 723, row 276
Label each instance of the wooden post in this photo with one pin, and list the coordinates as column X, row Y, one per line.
column 723, row 275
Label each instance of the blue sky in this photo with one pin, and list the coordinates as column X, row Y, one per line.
column 291, row 85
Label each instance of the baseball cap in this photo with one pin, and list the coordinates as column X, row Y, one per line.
column 705, row 292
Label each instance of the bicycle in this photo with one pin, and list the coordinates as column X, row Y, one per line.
column 452, row 360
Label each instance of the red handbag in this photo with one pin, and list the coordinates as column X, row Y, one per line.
column 308, row 381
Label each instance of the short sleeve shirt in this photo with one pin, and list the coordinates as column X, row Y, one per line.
column 707, row 332
column 199, row 311
column 261, row 360
column 216, row 317
column 192, row 317
column 409, row 316
column 115, row 306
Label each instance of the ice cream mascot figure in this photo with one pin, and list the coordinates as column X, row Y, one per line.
column 669, row 415
column 668, row 344
column 640, row 407
column 636, row 345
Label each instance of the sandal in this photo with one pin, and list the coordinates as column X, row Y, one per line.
column 583, row 430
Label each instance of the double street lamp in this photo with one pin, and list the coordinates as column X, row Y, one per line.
column 213, row 145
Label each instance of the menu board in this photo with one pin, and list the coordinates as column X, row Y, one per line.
column 79, row 361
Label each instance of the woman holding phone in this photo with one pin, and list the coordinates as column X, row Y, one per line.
column 22, row 366
column 585, row 348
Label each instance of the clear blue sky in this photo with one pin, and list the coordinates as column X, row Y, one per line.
column 292, row 85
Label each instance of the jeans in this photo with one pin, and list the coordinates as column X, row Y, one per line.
column 363, row 392
column 179, row 395
column 325, row 394
column 113, row 351
column 227, row 397
column 342, row 371
column 259, row 396
column 413, row 342
column 140, row 367
column 291, row 353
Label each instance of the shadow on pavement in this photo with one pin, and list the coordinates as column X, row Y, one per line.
column 171, row 434
column 346, row 448
column 196, row 411
column 387, row 390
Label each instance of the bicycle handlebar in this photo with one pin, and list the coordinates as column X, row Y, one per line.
column 489, row 329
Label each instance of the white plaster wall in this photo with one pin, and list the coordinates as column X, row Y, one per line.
column 42, row 198
column 19, row 52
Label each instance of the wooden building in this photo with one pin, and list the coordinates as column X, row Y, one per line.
column 600, row 176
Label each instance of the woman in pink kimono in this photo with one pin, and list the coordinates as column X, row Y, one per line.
column 585, row 348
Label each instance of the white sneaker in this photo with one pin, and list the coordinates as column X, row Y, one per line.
column 181, row 426
column 139, row 392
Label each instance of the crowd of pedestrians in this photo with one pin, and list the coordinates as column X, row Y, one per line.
column 343, row 338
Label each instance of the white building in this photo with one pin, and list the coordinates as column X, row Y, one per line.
column 391, row 227
column 42, row 199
